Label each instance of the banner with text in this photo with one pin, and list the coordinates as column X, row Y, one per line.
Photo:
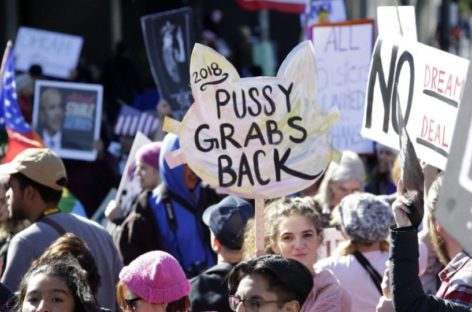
column 454, row 210
column 169, row 37
column 343, row 53
column 427, row 83
column 261, row 137
column 57, row 53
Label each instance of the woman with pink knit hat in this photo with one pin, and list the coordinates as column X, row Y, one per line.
column 147, row 171
column 155, row 282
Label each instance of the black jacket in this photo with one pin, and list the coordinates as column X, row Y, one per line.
column 210, row 289
column 408, row 294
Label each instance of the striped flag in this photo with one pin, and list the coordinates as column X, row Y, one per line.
column 288, row 6
column 131, row 120
column 20, row 134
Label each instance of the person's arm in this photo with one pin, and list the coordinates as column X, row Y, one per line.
column 407, row 291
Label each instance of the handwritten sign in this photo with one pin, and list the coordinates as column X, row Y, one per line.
column 454, row 210
column 130, row 186
column 67, row 116
column 429, row 84
column 388, row 18
column 343, row 52
column 257, row 137
column 57, row 53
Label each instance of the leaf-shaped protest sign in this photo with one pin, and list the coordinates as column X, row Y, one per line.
column 260, row 137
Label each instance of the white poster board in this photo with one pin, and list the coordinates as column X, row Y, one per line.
column 259, row 137
column 388, row 21
column 68, row 116
column 343, row 53
column 429, row 84
column 130, row 187
column 454, row 211
column 57, row 53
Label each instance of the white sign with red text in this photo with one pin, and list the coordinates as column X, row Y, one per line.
column 429, row 85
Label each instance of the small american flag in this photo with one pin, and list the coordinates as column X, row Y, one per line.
column 10, row 114
column 131, row 120
column 20, row 134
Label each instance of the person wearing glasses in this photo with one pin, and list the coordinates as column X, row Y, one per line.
column 269, row 283
column 154, row 281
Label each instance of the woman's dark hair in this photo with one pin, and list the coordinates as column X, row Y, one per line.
column 288, row 278
column 68, row 269
column 69, row 244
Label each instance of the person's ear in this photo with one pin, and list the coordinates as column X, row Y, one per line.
column 291, row 306
column 216, row 244
column 30, row 192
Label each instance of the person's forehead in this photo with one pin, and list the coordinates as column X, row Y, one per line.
column 254, row 285
column 46, row 282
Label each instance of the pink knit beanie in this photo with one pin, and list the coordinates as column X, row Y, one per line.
column 156, row 277
column 149, row 154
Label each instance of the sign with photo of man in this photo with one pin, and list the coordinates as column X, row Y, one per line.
column 169, row 37
column 67, row 117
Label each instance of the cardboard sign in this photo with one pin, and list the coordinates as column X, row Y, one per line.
column 454, row 210
column 57, row 53
column 388, row 21
column 429, row 84
column 260, row 137
column 169, row 37
column 130, row 187
column 343, row 52
column 67, row 116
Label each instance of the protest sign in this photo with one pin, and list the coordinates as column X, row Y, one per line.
column 130, row 187
column 169, row 37
column 397, row 20
column 260, row 137
column 57, row 53
column 454, row 211
column 343, row 52
column 67, row 116
column 429, row 84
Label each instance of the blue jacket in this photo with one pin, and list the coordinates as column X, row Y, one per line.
column 178, row 214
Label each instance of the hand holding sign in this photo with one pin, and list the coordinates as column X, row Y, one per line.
column 260, row 137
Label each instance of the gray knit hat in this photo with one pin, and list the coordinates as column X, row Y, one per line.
column 365, row 218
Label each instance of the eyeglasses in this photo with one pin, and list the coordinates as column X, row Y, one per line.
column 250, row 304
column 130, row 304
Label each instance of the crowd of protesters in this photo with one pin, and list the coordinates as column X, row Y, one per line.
column 182, row 246
column 187, row 248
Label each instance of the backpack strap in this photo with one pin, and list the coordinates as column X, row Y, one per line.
column 374, row 275
column 56, row 226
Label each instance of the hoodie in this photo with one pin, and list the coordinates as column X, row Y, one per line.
column 184, row 235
